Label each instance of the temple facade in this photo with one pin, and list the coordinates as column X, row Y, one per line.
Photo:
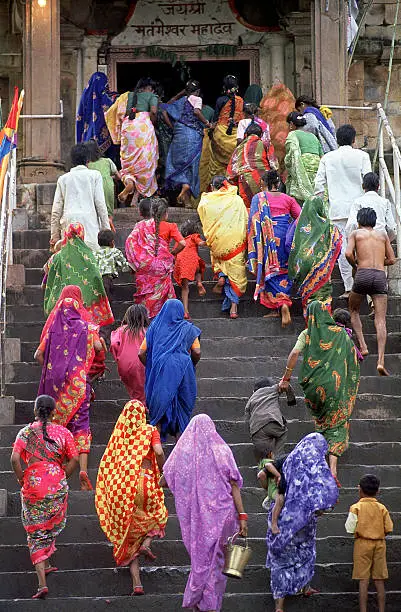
column 51, row 47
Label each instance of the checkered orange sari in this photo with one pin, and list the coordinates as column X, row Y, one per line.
column 129, row 500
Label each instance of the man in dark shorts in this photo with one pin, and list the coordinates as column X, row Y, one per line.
column 368, row 251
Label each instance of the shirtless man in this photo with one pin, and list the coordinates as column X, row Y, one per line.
column 368, row 251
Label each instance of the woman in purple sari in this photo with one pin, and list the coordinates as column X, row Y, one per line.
column 66, row 351
column 310, row 489
column 205, row 481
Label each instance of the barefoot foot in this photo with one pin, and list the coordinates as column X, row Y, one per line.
column 285, row 316
column 382, row 370
column 129, row 188
column 218, row 288
column 275, row 530
column 85, row 483
column 201, row 289
column 272, row 315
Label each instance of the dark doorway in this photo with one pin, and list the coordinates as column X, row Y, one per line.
column 210, row 74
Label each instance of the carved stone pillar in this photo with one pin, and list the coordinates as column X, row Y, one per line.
column 300, row 27
column 277, row 42
column 90, row 46
column 42, row 150
column 330, row 53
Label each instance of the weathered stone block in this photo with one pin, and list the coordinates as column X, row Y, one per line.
column 45, row 194
column 20, row 219
column 12, row 349
column 375, row 15
column 3, row 502
column 389, row 14
column 394, row 278
column 7, row 410
column 16, row 277
column 26, row 197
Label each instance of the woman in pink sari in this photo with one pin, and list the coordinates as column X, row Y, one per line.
column 205, row 481
column 147, row 250
column 45, row 448
column 125, row 345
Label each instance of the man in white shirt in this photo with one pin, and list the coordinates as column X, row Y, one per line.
column 382, row 207
column 79, row 198
column 342, row 171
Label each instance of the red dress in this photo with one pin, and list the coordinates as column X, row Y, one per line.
column 188, row 262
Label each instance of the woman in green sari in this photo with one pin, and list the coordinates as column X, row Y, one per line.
column 75, row 264
column 329, row 376
column 302, row 157
column 315, row 249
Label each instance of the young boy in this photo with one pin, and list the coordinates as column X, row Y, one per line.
column 110, row 261
column 370, row 522
column 267, row 426
column 272, row 479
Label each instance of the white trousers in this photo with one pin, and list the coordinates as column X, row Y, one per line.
column 345, row 267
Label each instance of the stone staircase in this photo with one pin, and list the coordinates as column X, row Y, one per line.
column 233, row 353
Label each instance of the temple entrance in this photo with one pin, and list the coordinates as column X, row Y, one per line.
column 209, row 73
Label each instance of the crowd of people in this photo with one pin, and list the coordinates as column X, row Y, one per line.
column 286, row 219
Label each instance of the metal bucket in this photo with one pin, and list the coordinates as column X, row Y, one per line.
column 236, row 557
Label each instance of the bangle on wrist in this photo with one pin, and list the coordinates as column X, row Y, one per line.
column 286, row 379
column 243, row 516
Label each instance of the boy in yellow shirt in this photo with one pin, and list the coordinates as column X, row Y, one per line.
column 370, row 522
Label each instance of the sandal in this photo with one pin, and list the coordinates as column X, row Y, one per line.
column 187, row 316
column 138, row 590
column 338, row 483
column 86, row 484
column 50, row 570
column 41, row 593
column 233, row 315
column 145, row 550
column 308, row 591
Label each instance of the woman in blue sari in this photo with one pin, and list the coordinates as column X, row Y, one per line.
column 170, row 352
column 95, row 100
column 188, row 124
column 310, row 489
column 271, row 219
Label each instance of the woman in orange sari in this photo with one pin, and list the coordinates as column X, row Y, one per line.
column 228, row 113
column 129, row 500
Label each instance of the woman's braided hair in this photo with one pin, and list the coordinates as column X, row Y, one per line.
column 158, row 210
column 230, row 88
column 142, row 83
column 44, row 406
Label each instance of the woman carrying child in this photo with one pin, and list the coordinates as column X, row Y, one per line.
column 188, row 265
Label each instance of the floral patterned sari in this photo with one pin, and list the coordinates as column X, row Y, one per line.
column 45, row 491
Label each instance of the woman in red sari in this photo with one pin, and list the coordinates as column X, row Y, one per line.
column 67, row 349
column 51, row 457
column 248, row 162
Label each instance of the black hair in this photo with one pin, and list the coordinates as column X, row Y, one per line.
column 159, row 90
column 342, row 316
column 307, row 100
column 250, row 109
column 366, row 217
column 230, row 88
column 369, row 484
column 345, row 135
column 79, row 155
column 260, row 383
column 136, row 319
column 297, row 119
column 371, row 182
column 190, row 226
column 105, row 238
column 271, row 179
column 191, row 87
column 94, row 152
column 44, row 406
column 144, row 207
column 217, row 181
column 158, row 210
column 254, row 129
column 141, row 84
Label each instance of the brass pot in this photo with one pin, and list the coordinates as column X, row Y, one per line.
column 236, row 557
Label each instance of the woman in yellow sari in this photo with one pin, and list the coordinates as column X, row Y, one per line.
column 224, row 220
column 129, row 500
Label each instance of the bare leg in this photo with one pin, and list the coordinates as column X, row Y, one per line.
column 135, row 199
column 333, row 459
column 40, row 571
column 135, row 573
column 185, row 295
column 381, row 595
column 83, row 473
column 285, row 316
column 278, row 506
column 218, row 288
column 355, row 300
column 183, row 197
column 363, row 595
column 380, row 304
column 199, row 284
column 233, row 310
column 128, row 189
column 279, row 603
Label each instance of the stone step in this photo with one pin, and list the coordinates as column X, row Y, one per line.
column 349, row 475
column 82, row 502
column 368, row 406
column 257, row 602
column 207, row 367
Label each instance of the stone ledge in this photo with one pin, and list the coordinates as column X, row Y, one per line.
column 394, row 278
column 3, row 502
column 12, row 350
column 16, row 277
column 7, row 410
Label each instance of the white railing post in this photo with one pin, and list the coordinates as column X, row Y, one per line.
column 397, row 200
column 381, row 160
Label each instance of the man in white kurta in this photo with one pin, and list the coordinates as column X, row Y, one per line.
column 79, row 198
column 342, row 172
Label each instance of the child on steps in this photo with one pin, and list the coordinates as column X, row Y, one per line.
column 272, row 479
column 188, row 265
